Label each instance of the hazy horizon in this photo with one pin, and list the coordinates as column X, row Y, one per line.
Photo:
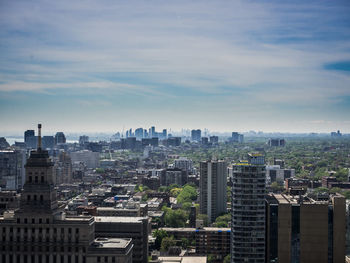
column 278, row 66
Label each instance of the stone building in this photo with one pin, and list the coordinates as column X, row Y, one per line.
column 40, row 232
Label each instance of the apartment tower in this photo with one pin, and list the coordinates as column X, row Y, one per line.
column 248, row 210
column 213, row 188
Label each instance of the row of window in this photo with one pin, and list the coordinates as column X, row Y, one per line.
column 43, row 259
column 47, row 248
column 62, row 230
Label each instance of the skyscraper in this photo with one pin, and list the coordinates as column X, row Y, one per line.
column 27, row 134
column 248, row 210
column 60, row 138
column 213, row 194
column 196, row 135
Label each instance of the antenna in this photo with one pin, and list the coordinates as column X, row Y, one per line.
column 39, row 137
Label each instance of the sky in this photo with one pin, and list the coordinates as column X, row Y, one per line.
column 102, row 66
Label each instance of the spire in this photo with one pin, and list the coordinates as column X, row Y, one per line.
column 39, row 137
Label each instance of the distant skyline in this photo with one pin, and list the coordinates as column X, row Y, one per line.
column 99, row 66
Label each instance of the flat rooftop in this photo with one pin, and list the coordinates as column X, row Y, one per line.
column 182, row 259
column 112, row 242
column 119, row 219
column 191, row 229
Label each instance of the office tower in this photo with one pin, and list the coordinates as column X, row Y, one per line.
column 30, row 139
column 237, row 137
column 48, row 142
column 213, row 188
column 205, row 140
column 12, row 173
column 196, row 135
column 3, row 143
column 336, row 134
column 40, row 231
column 214, row 139
column 139, row 133
column 248, row 210
column 84, row 139
column 173, row 141
column 276, row 142
column 60, row 138
column 131, row 143
column 165, row 134
column 27, row 134
column 301, row 229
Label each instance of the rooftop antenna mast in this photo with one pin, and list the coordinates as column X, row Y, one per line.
column 39, row 137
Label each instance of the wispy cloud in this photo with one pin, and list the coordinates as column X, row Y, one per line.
column 244, row 53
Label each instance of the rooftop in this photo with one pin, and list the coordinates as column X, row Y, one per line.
column 118, row 219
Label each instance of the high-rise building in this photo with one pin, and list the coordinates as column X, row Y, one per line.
column 237, row 137
column 214, row 140
column 164, row 134
column 27, row 134
column 301, row 229
column 30, row 139
column 196, row 135
column 48, row 142
column 139, row 133
column 84, row 139
column 276, row 142
column 40, row 231
column 60, row 138
column 12, row 173
column 213, row 188
column 248, row 210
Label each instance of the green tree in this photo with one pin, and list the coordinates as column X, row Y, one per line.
column 159, row 234
column 227, row 259
column 167, row 242
column 185, row 243
column 210, row 258
column 175, row 218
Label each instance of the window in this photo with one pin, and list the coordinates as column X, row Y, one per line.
column 30, row 179
column 36, row 179
column 18, row 220
column 41, row 198
column 25, row 220
column 77, row 231
column 28, row 197
column 47, row 220
column 34, row 197
column 42, row 179
column 33, row 220
column 40, row 220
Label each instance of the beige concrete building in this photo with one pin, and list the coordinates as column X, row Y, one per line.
column 300, row 229
column 39, row 231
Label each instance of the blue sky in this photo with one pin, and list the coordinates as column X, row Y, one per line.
column 223, row 65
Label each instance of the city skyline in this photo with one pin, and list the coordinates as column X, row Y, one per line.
column 224, row 66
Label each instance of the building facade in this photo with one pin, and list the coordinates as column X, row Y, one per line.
column 213, row 185
column 248, row 210
column 300, row 229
